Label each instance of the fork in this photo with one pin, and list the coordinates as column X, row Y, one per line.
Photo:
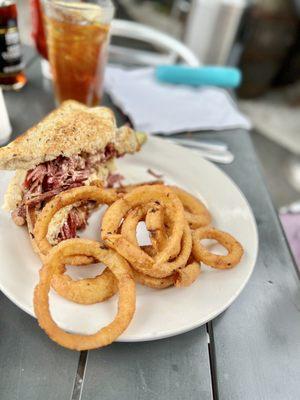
column 215, row 151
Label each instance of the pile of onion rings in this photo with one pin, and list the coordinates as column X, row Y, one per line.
column 176, row 222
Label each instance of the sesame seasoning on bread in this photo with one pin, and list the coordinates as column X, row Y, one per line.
column 70, row 129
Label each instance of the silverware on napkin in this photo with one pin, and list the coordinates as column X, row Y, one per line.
column 215, row 151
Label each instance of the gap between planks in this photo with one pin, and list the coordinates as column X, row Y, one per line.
column 212, row 361
column 79, row 378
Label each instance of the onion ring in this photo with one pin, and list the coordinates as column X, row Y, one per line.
column 130, row 223
column 127, row 296
column 155, row 225
column 31, row 216
column 169, row 267
column 71, row 196
column 149, row 250
column 154, row 219
column 31, row 220
column 165, row 269
column 187, row 275
column 86, row 291
column 154, row 283
column 201, row 254
column 196, row 213
column 183, row 277
column 135, row 255
column 129, row 188
column 128, row 231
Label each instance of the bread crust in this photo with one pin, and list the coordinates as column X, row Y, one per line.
column 70, row 129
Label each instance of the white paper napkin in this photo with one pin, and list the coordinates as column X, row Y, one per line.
column 154, row 107
column 5, row 127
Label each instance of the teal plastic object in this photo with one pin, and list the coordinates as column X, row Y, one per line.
column 227, row 77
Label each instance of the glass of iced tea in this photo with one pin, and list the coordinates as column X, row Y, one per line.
column 77, row 40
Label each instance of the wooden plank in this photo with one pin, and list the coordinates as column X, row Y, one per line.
column 174, row 368
column 257, row 340
column 32, row 367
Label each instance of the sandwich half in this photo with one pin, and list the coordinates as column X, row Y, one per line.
column 73, row 146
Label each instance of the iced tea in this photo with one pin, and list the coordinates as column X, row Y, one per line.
column 77, row 38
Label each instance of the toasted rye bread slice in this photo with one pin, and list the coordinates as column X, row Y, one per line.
column 70, row 129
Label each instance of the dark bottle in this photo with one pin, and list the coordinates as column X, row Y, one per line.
column 11, row 65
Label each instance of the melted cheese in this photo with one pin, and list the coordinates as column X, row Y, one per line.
column 57, row 222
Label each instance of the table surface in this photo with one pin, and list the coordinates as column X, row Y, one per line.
column 251, row 351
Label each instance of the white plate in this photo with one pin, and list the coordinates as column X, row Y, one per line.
column 162, row 313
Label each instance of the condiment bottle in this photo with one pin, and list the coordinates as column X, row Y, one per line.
column 12, row 76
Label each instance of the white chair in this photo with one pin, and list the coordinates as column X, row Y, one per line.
column 172, row 48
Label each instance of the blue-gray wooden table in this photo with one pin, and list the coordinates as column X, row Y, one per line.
column 250, row 352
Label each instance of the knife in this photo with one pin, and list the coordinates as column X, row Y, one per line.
column 222, row 157
column 210, row 145
column 227, row 77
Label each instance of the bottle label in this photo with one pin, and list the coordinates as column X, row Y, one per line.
column 10, row 51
